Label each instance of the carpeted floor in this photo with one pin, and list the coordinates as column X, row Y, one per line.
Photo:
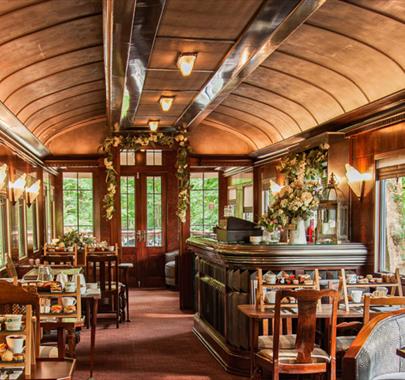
column 156, row 344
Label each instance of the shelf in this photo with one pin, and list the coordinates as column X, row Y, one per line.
column 57, row 295
column 287, row 286
column 373, row 285
column 8, row 332
column 61, row 315
column 12, row 364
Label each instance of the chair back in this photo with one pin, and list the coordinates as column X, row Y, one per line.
column 103, row 269
column 60, row 257
column 380, row 301
column 12, row 296
column 308, row 300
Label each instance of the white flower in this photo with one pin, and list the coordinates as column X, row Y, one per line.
column 284, row 203
column 116, row 141
column 108, row 164
column 306, row 197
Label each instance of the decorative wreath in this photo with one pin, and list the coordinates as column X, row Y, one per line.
column 180, row 138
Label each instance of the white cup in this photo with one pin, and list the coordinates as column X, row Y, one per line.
column 270, row 278
column 111, row 248
column 13, row 317
column 37, row 261
column 356, row 295
column 351, row 278
column 16, row 343
column 68, row 301
column 270, row 297
column 70, row 287
column 31, row 261
column 45, row 309
column 13, row 325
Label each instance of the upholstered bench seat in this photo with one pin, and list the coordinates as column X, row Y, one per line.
column 49, row 352
column 343, row 343
column 318, row 355
column 391, row 376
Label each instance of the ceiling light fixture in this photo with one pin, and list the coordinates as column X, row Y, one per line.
column 185, row 63
column 32, row 192
column 356, row 180
column 166, row 103
column 153, row 125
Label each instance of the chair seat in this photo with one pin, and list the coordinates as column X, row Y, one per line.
column 287, row 342
column 318, row 355
column 48, row 352
column 391, row 376
column 343, row 343
column 170, row 269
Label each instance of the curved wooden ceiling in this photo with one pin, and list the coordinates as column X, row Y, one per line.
column 348, row 54
column 52, row 70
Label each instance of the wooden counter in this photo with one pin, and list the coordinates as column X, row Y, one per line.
column 223, row 280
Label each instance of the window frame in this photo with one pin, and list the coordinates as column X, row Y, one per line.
column 77, row 190
column 127, row 223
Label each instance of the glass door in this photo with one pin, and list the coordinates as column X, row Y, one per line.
column 143, row 226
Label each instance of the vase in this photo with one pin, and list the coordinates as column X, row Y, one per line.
column 298, row 235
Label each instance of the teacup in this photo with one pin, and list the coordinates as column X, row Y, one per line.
column 270, row 278
column 356, row 295
column 351, row 278
column 45, row 309
column 111, row 248
column 31, row 261
column 13, row 326
column 37, row 261
column 16, row 343
column 13, row 317
column 68, row 301
column 270, row 297
column 70, row 287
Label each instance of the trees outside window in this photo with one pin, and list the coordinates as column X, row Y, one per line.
column 78, row 202
column 204, row 200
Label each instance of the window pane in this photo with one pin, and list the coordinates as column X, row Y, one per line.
column 128, row 212
column 154, row 157
column 393, row 223
column 154, row 211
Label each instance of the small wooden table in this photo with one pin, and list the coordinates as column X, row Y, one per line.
column 52, row 369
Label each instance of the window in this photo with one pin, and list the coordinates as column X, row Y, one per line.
column 240, row 186
column 3, row 230
column 392, row 224
column 127, row 157
column 154, row 211
column 248, row 202
column 18, row 237
column 203, row 203
column 128, row 211
column 78, row 202
column 154, row 157
column 32, row 226
column 49, row 209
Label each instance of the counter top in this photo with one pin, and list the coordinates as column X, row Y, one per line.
column 276, row 255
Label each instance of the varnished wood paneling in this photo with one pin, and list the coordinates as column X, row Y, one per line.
column 174, row 81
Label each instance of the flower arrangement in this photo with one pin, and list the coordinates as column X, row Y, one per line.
column 300, row 196
column 141, row 141
column 69, row 239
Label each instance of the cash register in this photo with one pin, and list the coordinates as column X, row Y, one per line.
column 236, row 230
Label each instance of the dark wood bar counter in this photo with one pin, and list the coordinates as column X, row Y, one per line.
column 223, row 280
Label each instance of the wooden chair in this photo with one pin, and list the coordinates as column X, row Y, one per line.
column 104, row 270
column 58, row 257
column 344, row 342
column 304, row 357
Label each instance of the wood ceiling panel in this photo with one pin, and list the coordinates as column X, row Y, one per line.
column 43, row 15
column 282, row 121
column 93, row 97
column 68, row 118
column 10, row 6
column 246, row 116
column 163, row 80
column 213, row 139
column 393, row 8
column 90, row 135
column 340, row 87
column 255, row 133
column 149, row 104
column 58, row 96
column 374, row 72
column 215, row 19
column 48, row 67
column 321, row 103
column 50, row 42
column 166, row 52
column 360, row 24
column 53, row 83
column 165, row 121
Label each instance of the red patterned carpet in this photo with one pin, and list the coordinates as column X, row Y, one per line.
column 156, row 344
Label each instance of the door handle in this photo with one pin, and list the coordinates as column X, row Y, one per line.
column 139, row 234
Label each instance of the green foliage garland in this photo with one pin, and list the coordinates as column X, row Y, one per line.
column 141, row 141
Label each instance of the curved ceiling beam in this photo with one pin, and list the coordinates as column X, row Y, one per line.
column 273, row 24
column 50, row 57
column 57, row 92
column 95, row 120
column 48, row 107
column 351, row 80
column 37, row 128
column 347, row 36
column 263, row 132
column 282, row 96
column 48, row 76
column 254, row 116
column 336, row 100
column 66, row 122
column 29, row 4
column 227, row 128
column 270, row 106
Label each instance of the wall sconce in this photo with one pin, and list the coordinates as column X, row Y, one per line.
column 166, row 103
column 16, row 189
column 185, row 63
column 3, row 175
column 153, row 125
column 32, row 192
column 275, row 187
column 356, row 180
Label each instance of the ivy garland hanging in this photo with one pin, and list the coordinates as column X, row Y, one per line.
column 139, row 142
